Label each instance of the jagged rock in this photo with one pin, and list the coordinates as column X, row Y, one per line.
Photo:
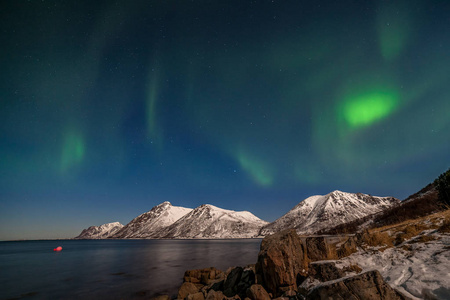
column 186, row 289
column 196, row 296
column 369, row 285
column 230, row 287
column 257, row 292
column 289, row 294
column 218, row 286
column 204, row 276
column 218, row 295
column 281, row 261
column 319, row 249
column 246, row 281
column 348, row 247
column 215, row 295
column 325, row 271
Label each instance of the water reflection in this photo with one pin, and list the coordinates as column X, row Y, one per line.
column 112, row 269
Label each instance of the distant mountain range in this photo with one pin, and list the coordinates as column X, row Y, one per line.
column 210, row 222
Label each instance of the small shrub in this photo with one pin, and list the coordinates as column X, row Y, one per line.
column 445, row 227
column 442, row 184
column 352, row 268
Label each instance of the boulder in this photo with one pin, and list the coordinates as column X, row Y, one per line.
column 257, row 292
column 246, row 281
column 230, row 287
column 319, row 249
column 215, row 295
column 196, row 296
column 282, row 261
column 289, row 294
column 204, row 276
column 369, row 285
column 187, row 288
column 217, row 286
column 325, row 271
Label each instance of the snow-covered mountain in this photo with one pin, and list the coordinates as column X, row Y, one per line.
column 319, row 212
column 208, row 221
column 100, row 232
column 147, row 225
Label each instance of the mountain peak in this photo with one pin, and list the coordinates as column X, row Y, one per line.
column 165, row 203
column 149, row 223
column 100, row 232
column 209, row 221
column 336, row 192
column 337, row 207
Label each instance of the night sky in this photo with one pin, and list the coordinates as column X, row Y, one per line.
column 109, row 108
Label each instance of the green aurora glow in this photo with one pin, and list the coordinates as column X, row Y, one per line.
column 363, row 110
column 73, row 151
column 243, row 105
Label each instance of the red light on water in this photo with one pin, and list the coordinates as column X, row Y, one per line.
column 59, row 248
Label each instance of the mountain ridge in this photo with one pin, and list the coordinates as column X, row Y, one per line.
column 321, row 211
column 100, row 232
column 147, row 225
column 165, row 221
column 209, row 221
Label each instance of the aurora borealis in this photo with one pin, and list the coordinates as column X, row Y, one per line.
column 111, row 107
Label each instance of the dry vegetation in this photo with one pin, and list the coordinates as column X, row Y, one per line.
column 445, row 227
column 352, row 268
column 396, row 234
column 423, row 203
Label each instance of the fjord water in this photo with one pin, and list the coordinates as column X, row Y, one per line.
column 111, row 269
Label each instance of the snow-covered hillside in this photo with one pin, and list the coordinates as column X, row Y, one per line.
column 147, row 225
column 418, row 263
column 208, row 221
column 319, row 212
column 100, row 232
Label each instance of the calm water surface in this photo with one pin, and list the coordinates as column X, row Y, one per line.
column 111, row 269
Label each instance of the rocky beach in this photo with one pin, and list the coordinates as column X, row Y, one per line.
column 367, row 265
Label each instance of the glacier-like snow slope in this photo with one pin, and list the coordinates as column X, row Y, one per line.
column 211, row 222
column 148, row 224
column 319, row 212
column 100, row 232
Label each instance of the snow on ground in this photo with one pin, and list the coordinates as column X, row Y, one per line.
column 418, row 270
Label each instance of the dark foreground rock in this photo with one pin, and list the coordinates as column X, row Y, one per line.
column 257, row 292
column 317, row 248
column 369, row 285
column 325, row 271
column 203, row 276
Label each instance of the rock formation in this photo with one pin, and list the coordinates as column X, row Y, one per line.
column 369, row 285
column 282, row 261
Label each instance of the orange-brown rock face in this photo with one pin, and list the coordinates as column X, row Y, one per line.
column 282, row 261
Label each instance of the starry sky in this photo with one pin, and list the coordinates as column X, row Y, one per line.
column 109, row 108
